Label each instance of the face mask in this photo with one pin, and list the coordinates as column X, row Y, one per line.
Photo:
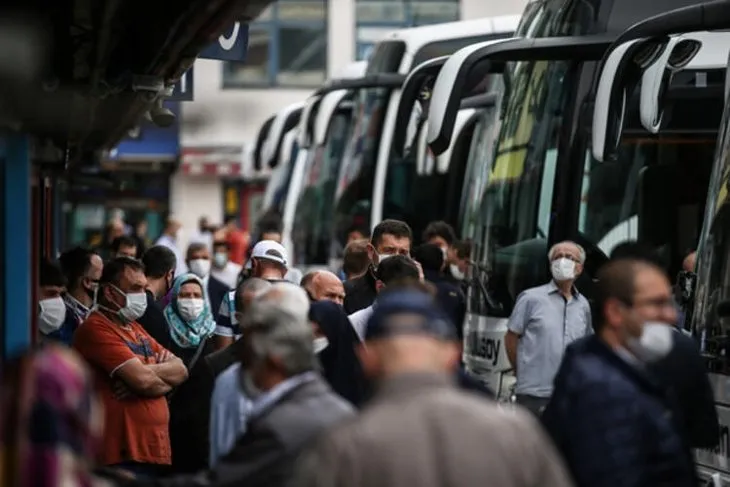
column 320, row 343
column 655, row 342
column 136, row 305
column 220, row 259
column 190, row 308
column 382, row 257
column 52, row 314
column 456, row 272
column 200, row 267
column 563, row 269
column 249, row 388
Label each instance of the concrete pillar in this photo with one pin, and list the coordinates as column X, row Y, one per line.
column 340, row 33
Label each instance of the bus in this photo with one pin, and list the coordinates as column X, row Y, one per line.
column 279, row 152
column 323, row 127
column 542, row 183
column 360, row 185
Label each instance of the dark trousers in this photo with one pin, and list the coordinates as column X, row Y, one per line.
column 536, row 405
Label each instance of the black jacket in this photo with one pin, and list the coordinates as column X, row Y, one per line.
column 360, row 292
column 450, row 297
column 216, row 293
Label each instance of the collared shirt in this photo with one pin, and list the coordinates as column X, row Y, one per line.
column 359, row 320
column 227, row 325
column 547, row 323
column 231, row 410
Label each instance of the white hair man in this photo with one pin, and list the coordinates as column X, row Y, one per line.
column 544, row 321
column 288, row 401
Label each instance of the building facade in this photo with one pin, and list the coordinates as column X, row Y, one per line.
column 293, row 48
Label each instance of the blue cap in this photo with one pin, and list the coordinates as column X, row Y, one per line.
column 425, row 317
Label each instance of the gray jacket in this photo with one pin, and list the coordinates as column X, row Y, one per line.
column 265, row 455
column 422, row 431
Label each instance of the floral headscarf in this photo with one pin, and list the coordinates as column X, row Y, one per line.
column 188, row 334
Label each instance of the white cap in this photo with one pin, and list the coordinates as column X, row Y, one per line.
column 270, row 250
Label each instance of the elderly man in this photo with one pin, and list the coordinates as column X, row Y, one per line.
column 290, row 403
column 324, row 286
column 419, row 415
column 545, row 320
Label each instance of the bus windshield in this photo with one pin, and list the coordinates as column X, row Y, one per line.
column 513, row 216
column 314, row 211
column 478, row 166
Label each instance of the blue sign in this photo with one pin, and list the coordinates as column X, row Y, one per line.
column 232, row 45
column 183, row 89
column 150, row 141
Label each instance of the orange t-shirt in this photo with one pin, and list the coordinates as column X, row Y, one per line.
column 237, row 246
column 135, row 429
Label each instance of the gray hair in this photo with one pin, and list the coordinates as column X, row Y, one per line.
column 279, row 325
column 252, row 285
column 581, row 250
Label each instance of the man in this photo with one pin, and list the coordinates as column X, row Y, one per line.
column 394, row 269
column 204, row 234
column 357, row 233
column 291, row 404
column 355, row 261
column 449, row 295
column 269, row 261
column 170, row 238
column 545, row 320
column 223, row 269
column 51, row 308
column 159, row 267
column 440, row 234
column 82, row 269
column 124, row 246
column 420, row 429
column 134, row 373
column 198, row 262
column 237, row 240
column 609, row 418
column 683, row 371
column 227, row 326
column 685, row 285
column 324, row 286
column 459, row 262
column 229, row 405
column 390, row 237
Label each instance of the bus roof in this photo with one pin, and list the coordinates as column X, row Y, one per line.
column 417, row 37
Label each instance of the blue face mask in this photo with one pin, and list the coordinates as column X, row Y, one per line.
column 220, row 259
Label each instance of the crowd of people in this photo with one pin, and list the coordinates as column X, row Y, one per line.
column 221, row 366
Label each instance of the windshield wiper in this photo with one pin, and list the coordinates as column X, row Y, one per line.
column 478, row 280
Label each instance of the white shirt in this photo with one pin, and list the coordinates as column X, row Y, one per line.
column 168, row 242
column 228, row 275
column 359, row 320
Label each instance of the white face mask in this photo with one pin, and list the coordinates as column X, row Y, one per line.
column 200, row 267
column 51, row 315
column 456, row 272
column 135, row 307
column 220, row 259
column 382, row 257
column 320, row 344
column 190, row 308
column 563, row 269
column 655, row 343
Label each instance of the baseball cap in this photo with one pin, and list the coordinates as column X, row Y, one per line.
column 270, row 250
column 418, row 314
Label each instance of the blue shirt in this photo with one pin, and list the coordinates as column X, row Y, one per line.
column 230, row 409
column 547, row 323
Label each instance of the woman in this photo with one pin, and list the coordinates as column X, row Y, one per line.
column 335, row 341
column 191, row 326
column 51, row 421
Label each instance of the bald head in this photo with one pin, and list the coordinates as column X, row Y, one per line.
column 690, row 262
column 324, row 286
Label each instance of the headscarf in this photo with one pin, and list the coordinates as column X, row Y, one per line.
column 341, row 367
column 51, row 421
column 188, row 334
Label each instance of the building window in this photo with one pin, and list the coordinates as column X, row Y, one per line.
column 375, row 18
column 287, row 48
